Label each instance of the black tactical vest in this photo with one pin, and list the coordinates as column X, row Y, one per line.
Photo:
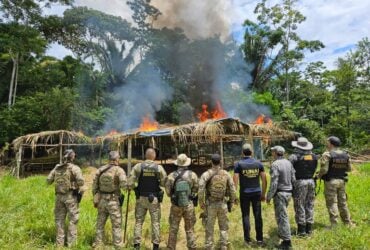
column 149, row 180
column 249, row 175
column 338, row 165
column 305, row 166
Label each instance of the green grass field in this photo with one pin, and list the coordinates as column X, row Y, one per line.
column 27, row 222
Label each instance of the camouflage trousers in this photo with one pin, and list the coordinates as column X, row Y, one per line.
column 304, row 201
column 336, row 197
column 108, row 206
column 281, row 202
column 176, row 214
column 217, row 210
column 141, row 208
column 66, row 204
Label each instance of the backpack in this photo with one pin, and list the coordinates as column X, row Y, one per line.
column 181, row 191
column 63, row 176
column 217, row 186
column 107, row 180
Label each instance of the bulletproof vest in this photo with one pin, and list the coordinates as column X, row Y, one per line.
column 249, row 175
column 338, row 165
column 108, row 183
column 149, row 179
column 63, row 179
column 217, row 186
column 182, row 191
column 305, row 166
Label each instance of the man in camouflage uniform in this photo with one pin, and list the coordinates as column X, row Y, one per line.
column 216, row 188
column 106, row 189
column 305, row 164
column 282, row 179
column 182, row 187
column 335, row 163
column 149, row 176
column 68, row 182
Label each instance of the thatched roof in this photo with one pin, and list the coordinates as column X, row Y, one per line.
column 51, row 138
column 205, row 132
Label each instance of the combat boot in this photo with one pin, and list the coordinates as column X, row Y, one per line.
column 301, row 231
column 285, row 245
column 309, row 228
column 137, row 246
column 155, row 246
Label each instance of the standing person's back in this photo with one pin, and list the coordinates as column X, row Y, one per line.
column 248, row 171
column 281, row 187
column 149, row 177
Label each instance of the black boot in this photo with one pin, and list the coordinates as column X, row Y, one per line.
column 285, row 245
column 155, row 246
column 137, row 246
column 301, row 231
column 308, row 228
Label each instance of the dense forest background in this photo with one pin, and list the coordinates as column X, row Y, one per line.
column 124, row 70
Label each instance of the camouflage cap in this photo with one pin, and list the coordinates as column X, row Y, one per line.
column 68, row 153
column 278, row 149
column 335, row 141
column 113, row 155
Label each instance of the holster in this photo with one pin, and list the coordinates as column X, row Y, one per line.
column 137, row 193
column 194, row 199
column 96, row 199
column 77, row 194
column 160, row 196
column 229, row 206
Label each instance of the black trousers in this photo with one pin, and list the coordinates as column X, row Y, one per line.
column 245, row 202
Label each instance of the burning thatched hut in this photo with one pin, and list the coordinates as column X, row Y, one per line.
column 199, row 140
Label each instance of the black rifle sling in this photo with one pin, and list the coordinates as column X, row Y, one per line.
column 176, row 179
column 102, row 172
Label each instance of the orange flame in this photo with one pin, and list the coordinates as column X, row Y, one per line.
column 217, row 113
column 262, row 119
column 148, row 124
column 112, row 132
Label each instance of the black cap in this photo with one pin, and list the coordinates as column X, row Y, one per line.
column 335, row 141
column 216, row 158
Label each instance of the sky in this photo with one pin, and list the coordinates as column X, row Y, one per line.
column 339, row 24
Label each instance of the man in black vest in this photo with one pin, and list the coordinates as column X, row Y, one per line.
column 304, row 163
column 248, row 171
column 149, row 176
column 335, row 164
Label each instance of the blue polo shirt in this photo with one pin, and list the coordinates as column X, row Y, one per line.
column 249, row 170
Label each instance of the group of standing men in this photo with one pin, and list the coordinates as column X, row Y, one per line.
column 215, row 192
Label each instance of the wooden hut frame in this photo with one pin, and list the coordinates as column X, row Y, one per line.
column 48, row 139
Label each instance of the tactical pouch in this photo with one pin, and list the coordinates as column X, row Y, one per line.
column 229, row 206
column 77, row 194
column 160, row 196
column 151, row 197
column 121, row 199
column 173, row 199
column 96, row 199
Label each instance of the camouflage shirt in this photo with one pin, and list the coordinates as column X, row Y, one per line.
column 118, row 174
column 77, row 180
column 230, row 192
column 189, row 176
column 282, row 177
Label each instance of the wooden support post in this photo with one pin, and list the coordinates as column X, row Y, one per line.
column 100, row 153
column 61, row 148
column 129, row 154
column 176, row 151
column 19, row 161
column 222, row 152
column 142, row 152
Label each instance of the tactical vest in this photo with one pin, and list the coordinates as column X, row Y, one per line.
column 217, row 186
column 249, row 175
column 149, row 180
column 338, row 166
column 108, row 183
column 305, row 166
column 63, row 179
column 182, row 190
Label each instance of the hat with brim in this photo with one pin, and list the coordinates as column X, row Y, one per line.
column 182, row 161
column 302, row 143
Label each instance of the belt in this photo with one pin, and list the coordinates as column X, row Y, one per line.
column 285, row 191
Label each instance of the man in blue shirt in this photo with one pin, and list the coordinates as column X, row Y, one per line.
column 248, row 172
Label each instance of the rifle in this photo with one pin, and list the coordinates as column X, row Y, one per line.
column 125, row 230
